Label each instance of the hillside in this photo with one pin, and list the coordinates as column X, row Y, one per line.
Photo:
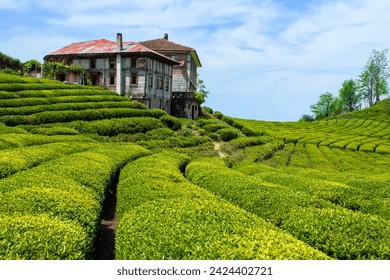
column 80, row 164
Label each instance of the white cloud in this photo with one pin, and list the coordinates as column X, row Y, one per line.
column 263, row 53
column 13, row 4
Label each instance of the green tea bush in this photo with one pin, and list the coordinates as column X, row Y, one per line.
column 113, row 127
column 383, row 149
column 85, row 115
column 153, row 224
column 14, row 160
column 23, row 140
column 39, row 101
column 227, row 134
column 336, row 231
column 54, row 130
column 171, row 122
column 243, row 142
column 270, row 201
column 11, row 130
column 64, row 92
column 341, row 234
column 9, row 79
column 41, row 237
column 214, row 127
column 5, row 95
column 29, row 110
column 15, row 87
column 70, row 188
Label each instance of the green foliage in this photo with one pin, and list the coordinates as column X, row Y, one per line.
column 14, row 160
column 171, row 122
column 227, row 134
column 31, row 65
column 325, row 106
column 306, row 118
column 41, row 237
column 372, row 83
column 84, row 115
column 201, row 92
column 7, row 62
column 350, row 99
column 341, row 234
column 336, row 231
column 69, row 189
column 153, row 224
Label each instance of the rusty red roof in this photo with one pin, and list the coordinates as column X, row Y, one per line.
column 103, row 46
column 165, row 46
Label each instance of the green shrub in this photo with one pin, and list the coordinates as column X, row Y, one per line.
column 383, row 149
column 207, row 109
column 29, row 110
column 72, row 187
column 55, row 130
column 113, row 127
column 243, row 142
column 14, row 160
column 171, row 122
column 23, row 140
column 336, row 231
column 341, row 234
column 41, row 237
column 227, row 134
column 218, row 115
column 214, row 127
column 11, row 130
column 153, row 224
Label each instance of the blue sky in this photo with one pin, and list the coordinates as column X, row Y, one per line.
column 267, row 60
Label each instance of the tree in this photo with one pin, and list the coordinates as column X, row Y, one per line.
column 31, row 65
column 372, row 83
column 325, row 106
column 306, row 118
column 349, row 97
column 201, row 92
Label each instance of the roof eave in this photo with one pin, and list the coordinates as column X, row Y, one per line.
column 196, row 59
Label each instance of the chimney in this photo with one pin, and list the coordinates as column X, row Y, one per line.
column 166, row 36
column 119, row 42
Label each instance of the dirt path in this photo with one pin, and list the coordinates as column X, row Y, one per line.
column 105, row 237
column 217, row 147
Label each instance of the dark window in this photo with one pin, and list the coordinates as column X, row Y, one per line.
column 134, row 78
column 150, row 80
column 112, row 79
column 133, row 63
column 166, row 84
column 93, row 63
column 112, row 63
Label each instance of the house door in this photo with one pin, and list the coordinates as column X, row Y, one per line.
column 95, row 79
column 193, row 112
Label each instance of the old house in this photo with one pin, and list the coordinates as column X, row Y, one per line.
column 184, row 76
column 128, row 68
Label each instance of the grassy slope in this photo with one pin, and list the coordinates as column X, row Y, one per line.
column 338, row 166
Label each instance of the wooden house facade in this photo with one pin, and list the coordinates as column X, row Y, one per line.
column 128, row 68
column 184, row 76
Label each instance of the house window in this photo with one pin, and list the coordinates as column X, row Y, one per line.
column 93, row 63
column 166, row 84
column 112, row 79
column 150, row 80
column 134, row 78
column 112, row 63
column 133, row 63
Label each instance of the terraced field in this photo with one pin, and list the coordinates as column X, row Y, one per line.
column 281, row 190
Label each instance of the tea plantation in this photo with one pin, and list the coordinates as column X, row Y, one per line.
column 214, row 188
